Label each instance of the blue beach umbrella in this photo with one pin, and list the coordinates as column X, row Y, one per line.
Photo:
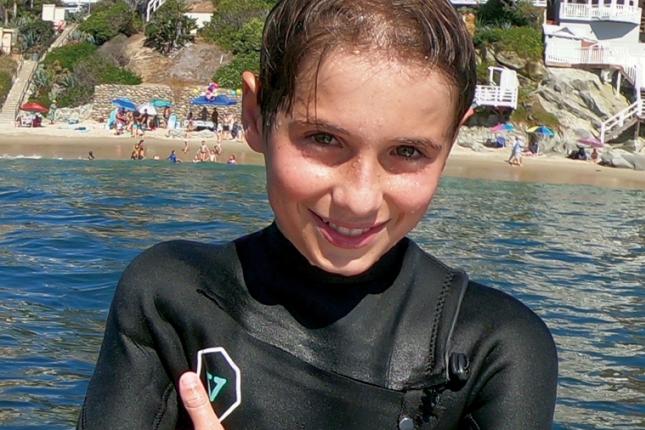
column 220, row 100
column 543, row 130
column 125, row 103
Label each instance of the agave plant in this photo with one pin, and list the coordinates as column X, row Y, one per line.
column 41, row 77
column 67, row 80
column 80, row 36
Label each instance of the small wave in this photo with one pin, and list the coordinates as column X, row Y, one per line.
column 20, row 157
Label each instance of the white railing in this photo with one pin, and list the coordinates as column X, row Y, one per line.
column 634, row 110
column 536, row 3
column 153, row 5
column 606, row 12
column 568, row 55
column 492, row 95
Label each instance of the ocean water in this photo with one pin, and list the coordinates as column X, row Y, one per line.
column 575, row 254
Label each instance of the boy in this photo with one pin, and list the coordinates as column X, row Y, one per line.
column 330, row 318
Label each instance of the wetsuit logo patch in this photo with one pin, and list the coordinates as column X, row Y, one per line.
column 222, row 378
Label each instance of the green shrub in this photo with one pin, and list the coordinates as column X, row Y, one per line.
column 76, row 86
column 515, row 13
column 112, row 74
column 34, row 36
column 230, row 18
column 67, row 56
column 169, row 28
column 5, row 85
column 108, row 21
column 525, row 41
column 482, row 72
column 249, row 38
column 230, row 76
column 7, row 64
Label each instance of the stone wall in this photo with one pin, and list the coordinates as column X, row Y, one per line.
column 180, row 97
column 104, row 94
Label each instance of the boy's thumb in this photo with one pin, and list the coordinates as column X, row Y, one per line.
column 195, row 400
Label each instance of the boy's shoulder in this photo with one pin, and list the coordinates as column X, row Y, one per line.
column 503, row 323
column 177, row 264
column 490, row 312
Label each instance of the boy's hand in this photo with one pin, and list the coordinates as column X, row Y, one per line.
column 195, row 400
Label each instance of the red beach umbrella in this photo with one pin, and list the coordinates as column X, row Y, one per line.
column 34, row 107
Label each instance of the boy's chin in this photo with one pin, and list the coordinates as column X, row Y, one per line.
column 345, row 266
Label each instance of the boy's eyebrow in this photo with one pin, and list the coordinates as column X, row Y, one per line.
column 422, row 142
column 322, row 124
column 406, row 141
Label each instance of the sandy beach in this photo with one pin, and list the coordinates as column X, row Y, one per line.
column 74, row 142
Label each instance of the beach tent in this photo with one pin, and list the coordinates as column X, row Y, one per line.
column 503, row 127
column 216, row 101
column 591, row 141
column 161, row 103
column 148, row 107
column 125, row 103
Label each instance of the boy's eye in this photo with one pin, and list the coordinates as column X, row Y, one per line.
column 323, row 138
column 408, row 152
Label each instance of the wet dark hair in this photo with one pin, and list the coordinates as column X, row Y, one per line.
column 302, row 33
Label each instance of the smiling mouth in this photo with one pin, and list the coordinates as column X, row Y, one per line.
column 351, row 232
column 347, row 237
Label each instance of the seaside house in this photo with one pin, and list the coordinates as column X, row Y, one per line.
column 501, row 91
column 53, row 13
column 7, row 40
column 202, row 13
column 602, row 35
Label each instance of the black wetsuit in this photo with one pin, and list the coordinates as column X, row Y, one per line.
column 319, row 351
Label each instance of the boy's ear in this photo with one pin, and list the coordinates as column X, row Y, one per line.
column 251, row 112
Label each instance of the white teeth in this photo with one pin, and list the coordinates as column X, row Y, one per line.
column 351, row 232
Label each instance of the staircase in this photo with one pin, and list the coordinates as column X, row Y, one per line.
column 21, row 83
column 17, row 93
column 617, row 124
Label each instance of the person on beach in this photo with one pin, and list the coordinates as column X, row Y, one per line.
column 231, row 159
column 185, row 149
column 90, row 155
column 203, row 151
column 516, row 152
column 330, row 317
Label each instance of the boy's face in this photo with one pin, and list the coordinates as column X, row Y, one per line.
column 354, row 167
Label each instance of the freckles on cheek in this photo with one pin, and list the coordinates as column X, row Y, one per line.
column 414, row 197
column 297, row 182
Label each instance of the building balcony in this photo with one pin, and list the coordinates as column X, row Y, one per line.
column 536, row 3
column 629, row 13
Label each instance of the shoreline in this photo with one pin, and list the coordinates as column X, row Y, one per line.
column 54, row 142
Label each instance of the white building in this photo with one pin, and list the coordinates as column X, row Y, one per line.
column 604, row 35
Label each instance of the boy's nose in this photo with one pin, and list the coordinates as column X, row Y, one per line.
column 359, row 189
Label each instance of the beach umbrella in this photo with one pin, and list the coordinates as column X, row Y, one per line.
column 217, row 101
column 507, row 126
column 591, row 141
column 543, row 130
column 147, row 107
column 34, row 107
column 161, row 103
column 125, row 103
